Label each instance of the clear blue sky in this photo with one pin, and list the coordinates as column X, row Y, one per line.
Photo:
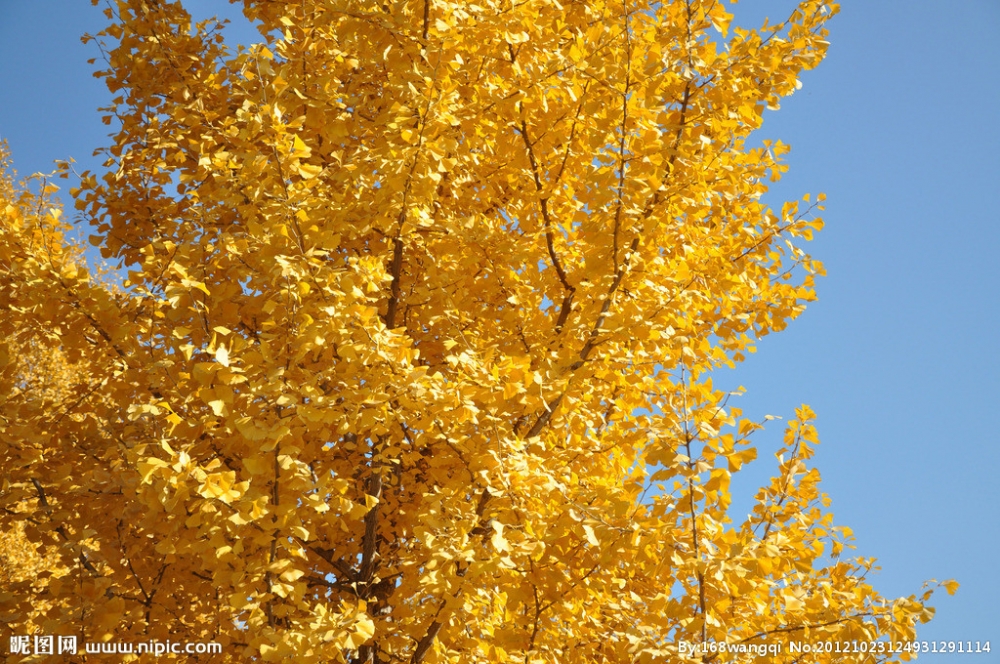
column 900, row 127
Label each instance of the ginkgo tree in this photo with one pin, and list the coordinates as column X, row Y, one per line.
column 412, row 360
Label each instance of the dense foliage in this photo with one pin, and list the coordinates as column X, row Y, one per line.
column 413, row 359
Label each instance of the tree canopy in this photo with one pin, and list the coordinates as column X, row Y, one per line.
column 412, row 359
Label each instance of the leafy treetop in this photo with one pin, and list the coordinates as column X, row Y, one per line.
column 413, row 361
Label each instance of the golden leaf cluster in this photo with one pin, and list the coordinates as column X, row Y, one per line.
column 413, row 359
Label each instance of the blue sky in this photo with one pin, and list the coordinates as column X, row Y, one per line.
column 899, row 126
